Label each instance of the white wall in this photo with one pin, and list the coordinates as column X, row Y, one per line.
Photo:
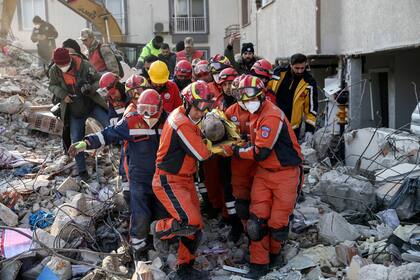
column 360, row 26
column 67, row 23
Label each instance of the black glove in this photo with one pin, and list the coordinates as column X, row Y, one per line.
column 83, row 87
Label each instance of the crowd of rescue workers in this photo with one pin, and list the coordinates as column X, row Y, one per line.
column 225, row 129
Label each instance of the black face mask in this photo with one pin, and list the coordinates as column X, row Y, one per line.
column 182, row 83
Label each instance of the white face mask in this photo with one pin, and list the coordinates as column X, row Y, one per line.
column 151, row 121
column 37, row 26
column 216, row 78
column 252, row 106
column 64, row 69
column 242, row 105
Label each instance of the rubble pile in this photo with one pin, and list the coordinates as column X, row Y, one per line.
column 351, row 224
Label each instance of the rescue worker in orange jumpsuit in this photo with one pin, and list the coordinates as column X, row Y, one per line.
column 181, row 146
column 243, row 170
column 264, row 70
column 201, row 71
column 278, row 177
column 159, row 81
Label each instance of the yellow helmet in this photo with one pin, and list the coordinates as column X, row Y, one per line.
column 158, row 72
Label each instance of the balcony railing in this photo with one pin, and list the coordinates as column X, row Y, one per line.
column 189, row 24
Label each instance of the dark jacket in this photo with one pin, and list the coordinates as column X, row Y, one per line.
column 47, row 45
column 240, row 66
column 59, row 88
column 170, row 62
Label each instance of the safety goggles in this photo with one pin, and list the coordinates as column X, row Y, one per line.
column 226, row 76
column 203, row 105
column 216, row 66
column 246, row 93
column 268, row 72
column 184, row 71
column 134, row 92
column 147, row 110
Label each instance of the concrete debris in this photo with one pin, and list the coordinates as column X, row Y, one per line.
column 346, row 192
column 11, row 105
column 373, row 272
column 333, row 229
column 346, row 251
column 69, row 184
column 357, row 262
column 8, row 216
column 409, row 271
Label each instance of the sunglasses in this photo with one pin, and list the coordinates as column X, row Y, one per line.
column 147, row 110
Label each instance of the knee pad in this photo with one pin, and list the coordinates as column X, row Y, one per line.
column 280, row 234
column 257, row 228
column 242, row 208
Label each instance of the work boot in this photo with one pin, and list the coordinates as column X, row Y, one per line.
column 207, row 208
column 84, row 176
column 161, row 246
column 176, row 229
column 236, row 229
column 276, row 261
column 187, row 272
column 256, row 271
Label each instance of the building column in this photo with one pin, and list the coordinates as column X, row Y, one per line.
column 355, row 84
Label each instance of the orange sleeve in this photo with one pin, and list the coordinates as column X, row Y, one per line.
column 193, row 142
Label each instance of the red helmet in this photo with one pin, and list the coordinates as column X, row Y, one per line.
column 228, row 74
column 218, row 63
column 183, row 68
column 197, row 94
column 263, row 68
column 201, row 69
column 135, row 85
column 149, row 104
column 249, row 87
column 107, row 84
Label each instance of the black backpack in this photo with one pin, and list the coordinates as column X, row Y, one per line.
column 119, row 58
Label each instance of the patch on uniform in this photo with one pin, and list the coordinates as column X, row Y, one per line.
column 167, row 96
column 265, row 131
column 234, row 118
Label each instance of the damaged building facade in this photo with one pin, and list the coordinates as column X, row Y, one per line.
column 374, row 42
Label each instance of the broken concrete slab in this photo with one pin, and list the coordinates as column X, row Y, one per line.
column 357, row 262
column 47, row 239
column 386, row 144
column 321, row 255
column 373, row 272
column 11, row 105
column 333, row 229
column 409, row 271
column 346, row 192
column 10, row 270
column 396, row 172
column 69, row 184
column 346, row 251
column 9, row 217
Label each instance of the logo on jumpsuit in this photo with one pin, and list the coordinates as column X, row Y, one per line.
column 265, row 131
column 234, row 119
column 167, row 96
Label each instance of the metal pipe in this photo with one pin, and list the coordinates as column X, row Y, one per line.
column 107, row 29
column 372, row 115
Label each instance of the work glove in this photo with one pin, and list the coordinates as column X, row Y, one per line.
column 227, row 150
column 76, row 148
column 308, row 138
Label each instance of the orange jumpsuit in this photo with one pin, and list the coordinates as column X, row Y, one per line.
column 243, row 170
column 181, row 145
column 212, row 180
column 277, row 181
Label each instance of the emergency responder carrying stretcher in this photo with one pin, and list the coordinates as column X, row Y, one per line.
column 142, row 130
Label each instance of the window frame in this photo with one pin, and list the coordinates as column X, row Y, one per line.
column 21, row 14
column 173, row 8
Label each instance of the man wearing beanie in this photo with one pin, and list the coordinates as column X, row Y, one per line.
column 247, row 59
column 44, row 34
column 74, row 82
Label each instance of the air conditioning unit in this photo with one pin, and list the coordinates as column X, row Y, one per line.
column 161, row 27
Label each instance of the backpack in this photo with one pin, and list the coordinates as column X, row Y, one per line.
column 118, row 57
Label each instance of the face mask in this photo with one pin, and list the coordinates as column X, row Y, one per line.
column 242, row 105
column 37, row 26
column 151, row 121
column 64, row 69
column 216, row 78
column 252, row 106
